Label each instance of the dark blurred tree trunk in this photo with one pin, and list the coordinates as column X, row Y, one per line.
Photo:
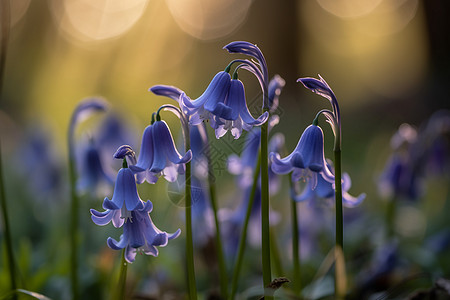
column 273, row 26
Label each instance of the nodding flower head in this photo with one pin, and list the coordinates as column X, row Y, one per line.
column 222, row 104
column 307, row 159
column 238, row 117
column 159, row 156
column 125, row 199
column 141, row 235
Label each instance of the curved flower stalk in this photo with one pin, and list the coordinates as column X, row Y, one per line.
column 158, row 155
column 321, row 87
column 82, row 111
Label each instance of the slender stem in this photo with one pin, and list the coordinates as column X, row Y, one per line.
column 390, row 217
column 7, row 232
column 276, row 260
column 192, row 288
column 5, row 23
column 223, row 277
column 243, row 238
column 339, row 213
column 121, row 286
column 74, row 213
column 295, row 247
column 265, row 226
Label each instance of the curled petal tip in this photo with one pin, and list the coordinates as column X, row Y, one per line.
column 124, row 151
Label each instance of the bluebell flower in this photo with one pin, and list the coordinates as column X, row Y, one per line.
column 238, row 117
column 399, row 179
column 222, row 104
column 140, row 235
column 307, row 160
column 128, row 210
column 158, row 155
column 94, row 176
column 401, row 176
column 325, row 190
column 125, row 199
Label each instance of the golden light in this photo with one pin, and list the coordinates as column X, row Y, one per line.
column 379, row 47
column 349, row 8
column 97, row 19
column 206, row 19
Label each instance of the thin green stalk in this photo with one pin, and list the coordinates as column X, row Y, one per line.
column 192, row 288
column 265, row 226
column 7, row 232
column 223, row 277
column 338, row 188
column 339, row 216
column 243, row 238
column 276, row 259
column 295, row 247
column 5, row 23
column 390, row 217
column 74, row 213
column 121, row 286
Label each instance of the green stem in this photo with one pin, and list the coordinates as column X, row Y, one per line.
column 243, row 238
column 339, row 213
column 295, row 247
column 276, row 260
column 121, row 286
column 7, row 232
column 192, row 288
column 390, row 217
column 265, row 226
column 223, row 277
column 5, row 23
column 74, row 213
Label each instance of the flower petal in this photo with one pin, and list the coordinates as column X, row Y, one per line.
column 166, row 91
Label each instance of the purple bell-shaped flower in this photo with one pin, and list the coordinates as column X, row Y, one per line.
column 141, row 235
column 159, row 156
column 307, row 160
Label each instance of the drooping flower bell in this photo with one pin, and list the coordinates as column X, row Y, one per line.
column 223, row 102
column 128, row 210
column 125, row 199
column 307, row 160
column 140, row 235
column 159, row 156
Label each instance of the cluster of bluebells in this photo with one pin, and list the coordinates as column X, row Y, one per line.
column 128, row 210
column 158, row 157
column 223, row 105
column 416, row 155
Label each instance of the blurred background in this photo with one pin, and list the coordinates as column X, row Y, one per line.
column 386, row 60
